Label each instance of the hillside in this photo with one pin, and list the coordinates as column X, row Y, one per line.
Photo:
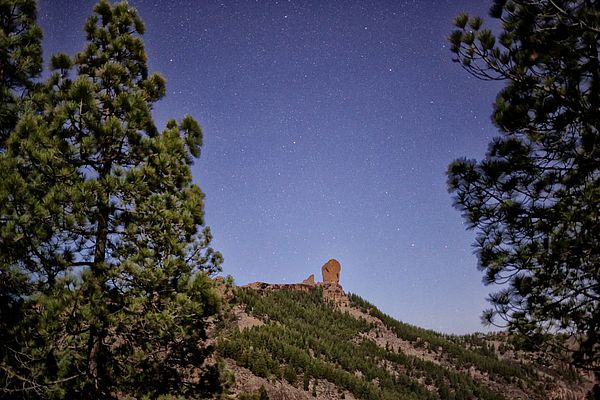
column 298, row 344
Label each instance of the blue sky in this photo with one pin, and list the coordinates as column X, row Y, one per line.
column 328, row 128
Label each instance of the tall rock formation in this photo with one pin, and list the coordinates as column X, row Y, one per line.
column 332, row 290
column 331, row 271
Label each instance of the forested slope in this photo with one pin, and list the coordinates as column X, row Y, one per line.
column 305, row 344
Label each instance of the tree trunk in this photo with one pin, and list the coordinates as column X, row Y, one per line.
column 96, row 288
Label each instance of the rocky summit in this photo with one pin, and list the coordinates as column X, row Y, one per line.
column 330, row 286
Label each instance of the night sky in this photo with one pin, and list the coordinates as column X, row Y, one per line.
column 328, row 128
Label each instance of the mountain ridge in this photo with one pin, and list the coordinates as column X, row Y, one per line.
column 297, row 343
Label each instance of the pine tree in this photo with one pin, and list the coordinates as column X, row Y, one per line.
column 289, row 373
column 20, row 58
column 535, row 197
column 101, row 233
column 262, row 393
column 20, row 63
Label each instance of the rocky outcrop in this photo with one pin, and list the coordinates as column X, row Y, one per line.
column 332, row 290
column 310, row 280
column 334, row 293
column 331, row 271
column 263, row 286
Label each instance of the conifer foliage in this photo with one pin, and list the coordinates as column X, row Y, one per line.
column 20, row 58
column 103, row 259
column 306, row 340
column 534, row 199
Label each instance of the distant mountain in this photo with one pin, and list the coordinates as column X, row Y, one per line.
column 307, row 341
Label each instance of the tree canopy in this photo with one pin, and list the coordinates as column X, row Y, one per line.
column 104, row 260
column 20, row 58
column 534, row 200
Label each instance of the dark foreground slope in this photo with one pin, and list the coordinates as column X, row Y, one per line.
column 299, row 346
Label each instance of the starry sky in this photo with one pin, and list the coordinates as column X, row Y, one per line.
column 328, row 129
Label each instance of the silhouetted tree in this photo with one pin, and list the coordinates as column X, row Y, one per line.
column 534, row 200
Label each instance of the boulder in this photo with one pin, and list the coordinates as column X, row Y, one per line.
column 331, row 271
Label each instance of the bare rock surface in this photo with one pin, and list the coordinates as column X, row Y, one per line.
column 247, row 382
column 310, row 280
column 331, row 271
column 243, row 320
column 562, row 393
column 334, row 293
